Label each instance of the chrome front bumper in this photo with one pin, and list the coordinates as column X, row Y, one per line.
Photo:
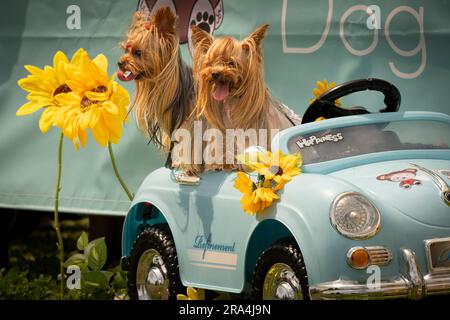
column 410, row 284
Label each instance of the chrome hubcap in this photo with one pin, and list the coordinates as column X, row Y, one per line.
column 281, row 283
column 151, row 277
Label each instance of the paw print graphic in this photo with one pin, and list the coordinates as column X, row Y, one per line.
column 204, row 21
column 206, row 14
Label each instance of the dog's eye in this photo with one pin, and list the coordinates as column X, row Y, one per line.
column 231, row 64
column 138, row 53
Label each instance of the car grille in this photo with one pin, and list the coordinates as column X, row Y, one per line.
column 379, row 256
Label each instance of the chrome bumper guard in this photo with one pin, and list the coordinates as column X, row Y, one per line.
column 411, row 284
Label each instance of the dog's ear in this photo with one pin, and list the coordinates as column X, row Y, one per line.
column 201, row 38
column 259, row 34
column 165, row 20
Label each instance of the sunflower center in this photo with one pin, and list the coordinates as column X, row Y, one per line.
column 86, row 102
column 62, row 89
column 100, row 89
column 276, row 170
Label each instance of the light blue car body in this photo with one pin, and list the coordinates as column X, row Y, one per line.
column 211, row 212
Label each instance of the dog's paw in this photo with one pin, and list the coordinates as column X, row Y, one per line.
column 204, row 20
column 186, row 178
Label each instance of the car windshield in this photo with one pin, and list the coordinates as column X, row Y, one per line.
column 352, row 141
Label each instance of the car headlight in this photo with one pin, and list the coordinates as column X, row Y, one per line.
column 354, row 216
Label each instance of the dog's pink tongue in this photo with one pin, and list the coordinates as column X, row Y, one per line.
column 121, row 75
column 221, row 91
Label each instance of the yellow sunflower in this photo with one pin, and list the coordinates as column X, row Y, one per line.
column 254, row 198
column 192, row 294
column 260, row 199
column 244, row 184
column 96, row 102
column 323, row 87
column 279, row 167
column 44, row 86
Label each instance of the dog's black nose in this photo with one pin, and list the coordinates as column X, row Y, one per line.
column 121, row 64
column 216, row 75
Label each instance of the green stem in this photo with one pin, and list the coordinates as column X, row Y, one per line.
column 56, row 222
column 116, row 171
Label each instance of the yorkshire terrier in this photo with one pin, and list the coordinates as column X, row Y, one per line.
column 230, row 88
column 164, row 97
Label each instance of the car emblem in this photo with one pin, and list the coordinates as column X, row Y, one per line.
column 446, row 196
column 445, row 173
column 439, row 182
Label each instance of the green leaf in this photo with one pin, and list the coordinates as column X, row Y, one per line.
column 120, row 281
column 77, row 259
column 94, row 280
column 108, row 274
column 96, row 254
column 82, row 241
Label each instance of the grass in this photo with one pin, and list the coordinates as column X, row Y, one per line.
column 33, row 257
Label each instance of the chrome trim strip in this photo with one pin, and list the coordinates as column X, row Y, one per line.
column 410, row 284
column 438, row 181
column 352, row 290
column 437, row 284
column 411, row 271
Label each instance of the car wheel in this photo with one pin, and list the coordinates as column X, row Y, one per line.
column 153, row 273
column 280, row 273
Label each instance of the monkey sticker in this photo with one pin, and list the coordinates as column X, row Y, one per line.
column 406, row 178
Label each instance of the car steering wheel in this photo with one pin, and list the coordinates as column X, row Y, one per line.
column 324, row 105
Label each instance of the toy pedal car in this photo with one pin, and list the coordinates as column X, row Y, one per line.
column 369, row 217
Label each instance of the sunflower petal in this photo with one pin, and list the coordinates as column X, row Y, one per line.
column 82, row 134
column 100, row 134
column 46, row 119
column 317, row 93
column 201, row 294
column 40, row 96
column 68, row 99
column 110, row 107
column 96, row 96
column 59, row 59
column 95, row 116
column 29, row 108
column 279, row 186
column 113, row 123
column 102, row 62
column 321, row 86
column 33, row 70
column 84, row 120
column 192, row 293
column 77, row 56
column 34, row 83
